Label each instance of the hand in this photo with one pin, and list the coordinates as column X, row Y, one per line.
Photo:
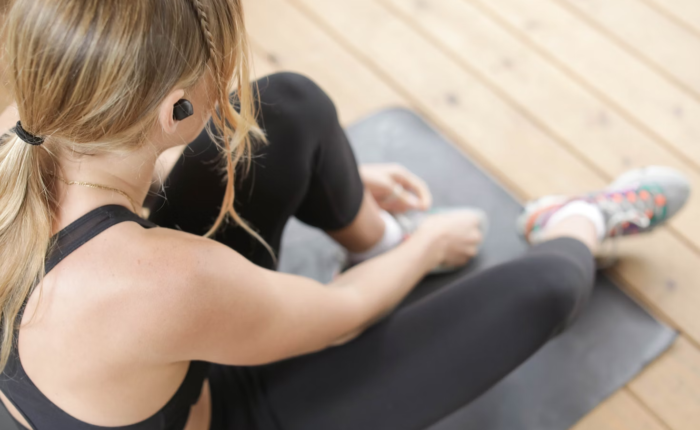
column 456, row 236
column 396, row 189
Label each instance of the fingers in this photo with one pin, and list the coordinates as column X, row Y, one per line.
column 462, row 255
column 400, row 200
column 395, row 188
column 475, row 238
column 465, row 249
column 417, row 190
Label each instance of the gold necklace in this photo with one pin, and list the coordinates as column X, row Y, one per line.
column 105, row 188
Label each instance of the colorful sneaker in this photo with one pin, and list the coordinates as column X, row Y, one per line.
column 637, row 202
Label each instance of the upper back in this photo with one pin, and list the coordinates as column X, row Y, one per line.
column 81, row 332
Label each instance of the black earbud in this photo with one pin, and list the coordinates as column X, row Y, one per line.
column 182, row 110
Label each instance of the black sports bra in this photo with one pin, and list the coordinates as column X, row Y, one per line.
column 36, row 408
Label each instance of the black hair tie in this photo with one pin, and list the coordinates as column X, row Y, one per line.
column 27, row 136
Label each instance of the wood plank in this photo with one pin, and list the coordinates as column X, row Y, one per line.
column 670, row 49
column 261, row 64
column 261, row 27
column 584, row 124
column 671, row 386
column 507, row 143
column 613, row 74
column 292, row 42
column 686, row 12
column 620, row 412
column 490, row 130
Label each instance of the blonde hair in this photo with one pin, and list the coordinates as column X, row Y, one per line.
column 89, row 76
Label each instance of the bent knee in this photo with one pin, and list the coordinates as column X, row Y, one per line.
column 560, row 286
column 296, row 108
column 294, row 91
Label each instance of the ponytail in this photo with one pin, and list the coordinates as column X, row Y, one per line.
column 25, row 230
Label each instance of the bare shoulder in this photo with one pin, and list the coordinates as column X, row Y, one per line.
column 181, row 261
column 144, row 286
column 161, row 257
column 191, row 298
column 177, row 284
column 170, row 268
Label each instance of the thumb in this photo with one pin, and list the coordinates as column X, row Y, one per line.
column 410, row 199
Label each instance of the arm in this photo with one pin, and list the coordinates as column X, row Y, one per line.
column 232, row 312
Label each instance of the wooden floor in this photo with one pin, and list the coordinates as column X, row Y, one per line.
column 551, row 96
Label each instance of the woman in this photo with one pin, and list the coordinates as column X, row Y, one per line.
column 109, row 322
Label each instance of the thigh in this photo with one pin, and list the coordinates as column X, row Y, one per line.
column 437, row 354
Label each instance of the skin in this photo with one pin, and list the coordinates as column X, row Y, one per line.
column 131, row 308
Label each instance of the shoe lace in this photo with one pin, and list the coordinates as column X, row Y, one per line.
column 622, row 212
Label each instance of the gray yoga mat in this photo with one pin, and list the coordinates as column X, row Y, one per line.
column 611, row 342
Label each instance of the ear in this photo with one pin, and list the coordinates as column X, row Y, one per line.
column 165, row 115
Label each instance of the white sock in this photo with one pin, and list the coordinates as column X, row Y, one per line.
column 393, row 235
column 580, row 208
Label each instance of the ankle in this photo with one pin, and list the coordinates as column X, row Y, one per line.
column 391, row 237
column 365, row 231
column 579, row 227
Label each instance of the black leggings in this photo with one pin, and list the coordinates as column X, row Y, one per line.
column 431, row 356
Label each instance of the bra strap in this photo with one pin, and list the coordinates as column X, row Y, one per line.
column 86, row 228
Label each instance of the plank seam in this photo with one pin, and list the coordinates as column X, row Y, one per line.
column 630, row 49
column 657, row 312
column 500, row 93
column 548, row 131
column 651, row 307
column 257, row 48
column 647, row 408
column 663, row 142
column 414, row 102
column 489, row 13
column 672, row 17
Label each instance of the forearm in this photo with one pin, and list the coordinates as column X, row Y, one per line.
column 382, row 282
column 247, row 315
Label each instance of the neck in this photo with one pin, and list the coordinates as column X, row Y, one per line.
column 131, row 173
